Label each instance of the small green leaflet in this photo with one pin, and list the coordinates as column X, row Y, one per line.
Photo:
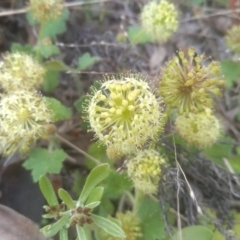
column 41, row 162
column 231, row 71
column 50, row 81
column 194, row 232
column 60, row 111
column 86, row 61
column 137, row 35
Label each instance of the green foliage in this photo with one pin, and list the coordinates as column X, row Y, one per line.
column 108, row 226
column 60, row 111
column 137, row 35
column 79, row 211
column 194, row 232
column 17, row 47
column 117, row 183
column 56, row 65
column 97, row 151
column 51, row 81
column 41, row 162
column 219, row 150
column 231, row 71
column 234, row 161
column 150, row 215
column 98, row 174
column 48, row 191
column 46, row 50
column 86, row 61
column 55, row 26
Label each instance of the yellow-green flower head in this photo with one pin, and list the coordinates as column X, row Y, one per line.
column 45, row 10
column 159, row 20
column 189, row 86
column 145, row 169
column 20, row 71
column 232, row 39
column 200, row 129
column 129, row 224
column 122, row 111
column 24, row 117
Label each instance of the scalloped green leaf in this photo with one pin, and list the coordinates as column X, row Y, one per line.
column 108, row 226
column 55, row 26
column 48, row 191
column 46, row 51
column 196, row 232
column 60, row 111
column 150, row 214
column 97, row 151
column 137, row 35
column 50, row 81
column 95, row 195
column 231, row 71
column 86, row 61
column 41, row 162
column 66, row 198
column 98, row 174
column 56, row 65
column 27, row 48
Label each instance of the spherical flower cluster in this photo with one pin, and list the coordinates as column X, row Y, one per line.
column 189, row 86
column 145, row 169
column 159, row 20
column 200, row 129
column 122, row 111
column 232, row 39
column 24, row 117
column 129, row 224
column 19, row 70
column 45, row 10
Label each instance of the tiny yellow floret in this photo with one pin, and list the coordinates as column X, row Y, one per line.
column 24, row 118
column 144, row 170
column 200, row 129
column 130, row 224
column 125, row 121
column 20, row 71
column 189, row 86
column 159, row 20
column 45, row 10
column 232, row 39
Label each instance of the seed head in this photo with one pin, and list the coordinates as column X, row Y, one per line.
column 189, row 86
column 145, row 169
column 130, row 225
column 121, row 111
column 24, row 117
column 45, row 10
column 20, row 71
column 159, row 20
column 232, row 39
column 200, row 129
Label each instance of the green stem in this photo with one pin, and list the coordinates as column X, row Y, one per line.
column 138, row 198
column 40, row 37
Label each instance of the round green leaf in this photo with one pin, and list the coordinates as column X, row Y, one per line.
column 194, row 232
